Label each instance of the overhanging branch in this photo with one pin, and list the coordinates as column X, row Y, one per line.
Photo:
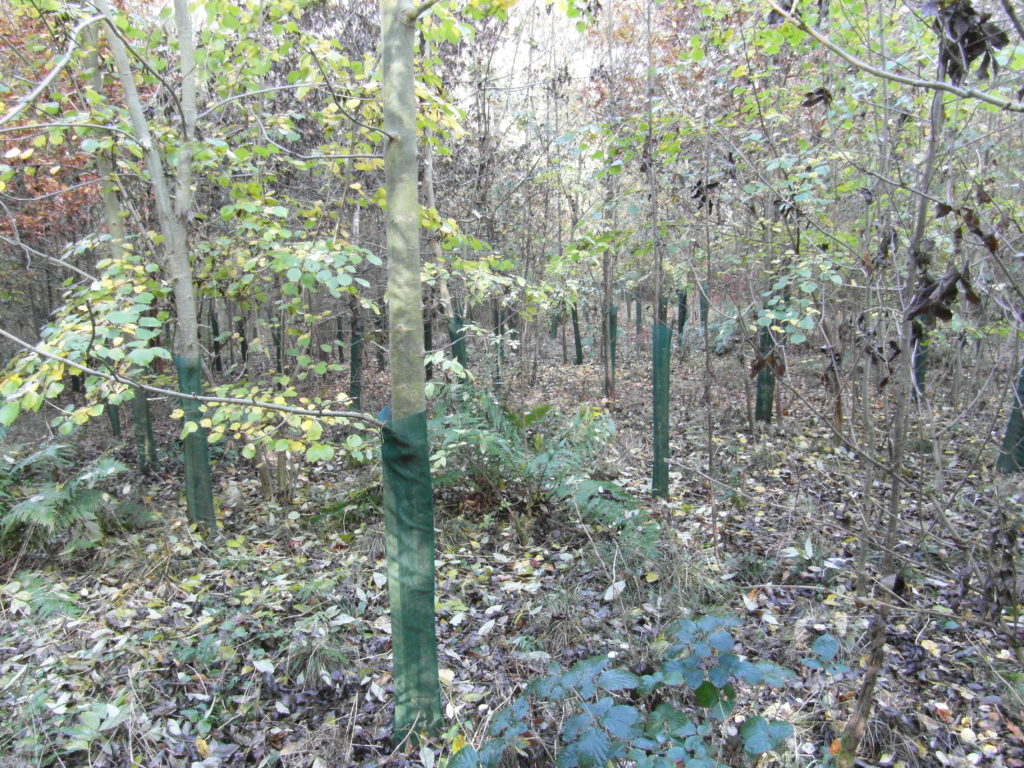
column 932, row 85
column 214, row 399
column 57, row 69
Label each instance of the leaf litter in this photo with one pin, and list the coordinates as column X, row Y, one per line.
column 274, row 648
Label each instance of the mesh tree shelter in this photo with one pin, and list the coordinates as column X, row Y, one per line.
column 1011, row 454
column 765, row 377
column 662, row 338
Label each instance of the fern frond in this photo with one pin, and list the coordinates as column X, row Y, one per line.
column 40, row 510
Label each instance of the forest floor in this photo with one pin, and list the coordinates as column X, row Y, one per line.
column 273, row 648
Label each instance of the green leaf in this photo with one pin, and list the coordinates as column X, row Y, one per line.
column 121, row 318
column 466, row 757
column 621, row 721
column 706, row 694
column 319, row 452
column 721, row 641
column 759, row 735
column 618, row 680
column 726, row 704
column 142, row 357
column 749, row 673
column 8, row 413
column 593, row 749
column 825, row 647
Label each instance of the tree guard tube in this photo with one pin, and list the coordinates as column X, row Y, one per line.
column 662, row 343
column 1011, row 453
column 765, row 378
column 198, row 485
column 457, row 336
column 409, row 528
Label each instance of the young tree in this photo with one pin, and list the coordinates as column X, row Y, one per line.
column 408, row 496
column 172, row 211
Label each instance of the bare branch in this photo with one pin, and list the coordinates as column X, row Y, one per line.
column 30, row 251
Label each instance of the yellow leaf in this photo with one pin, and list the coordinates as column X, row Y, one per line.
column 202, row 747
column 651, row 576
column 932, row 647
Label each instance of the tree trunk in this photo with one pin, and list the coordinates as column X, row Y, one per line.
column 145, row 445
column 172, row 214
column 408, row 500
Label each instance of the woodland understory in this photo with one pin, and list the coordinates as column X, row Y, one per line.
column 273, row 648
column 699, row 323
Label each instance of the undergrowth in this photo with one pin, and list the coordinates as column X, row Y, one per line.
column 48, row 505
column 530, row 461
column 601, row 714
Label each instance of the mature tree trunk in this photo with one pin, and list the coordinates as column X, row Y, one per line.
column 172, row 214
column 408, row 501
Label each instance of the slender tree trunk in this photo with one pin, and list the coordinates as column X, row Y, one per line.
column 172, row 211
column 145, row 446
column 661, row 332
column 218, row 360
column 853, row 731
column 408, row 502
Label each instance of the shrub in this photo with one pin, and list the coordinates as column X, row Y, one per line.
column 532, row 458
column 664, row 718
